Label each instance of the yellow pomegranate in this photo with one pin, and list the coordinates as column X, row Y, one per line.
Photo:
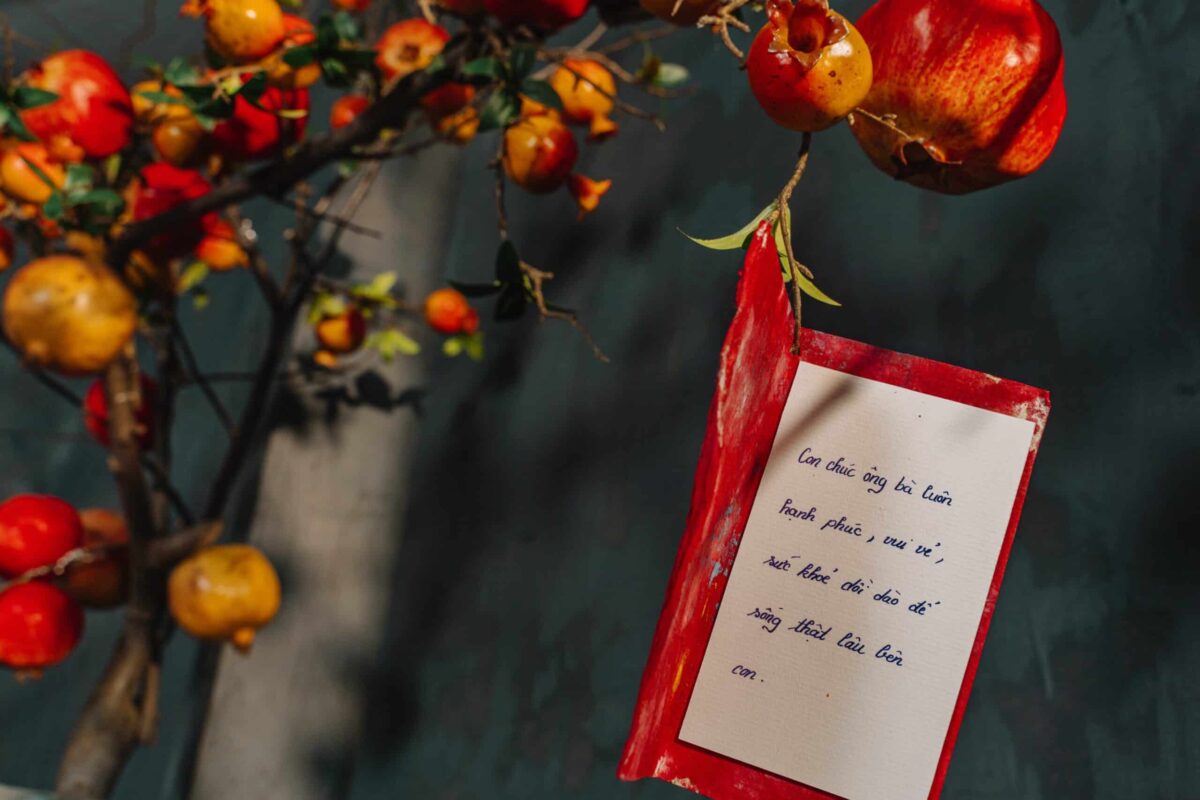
column 66, row 314
column 587, row 90
column 18, row 178
column 240, row 31
column 224, row 593
column 152, row 112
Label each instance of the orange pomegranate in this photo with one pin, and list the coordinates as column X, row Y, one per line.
column 36, row 531
column 103, row 580
column 20, row 181
column 39, row 626
column 219, row 248
column 587, row 192
column 342, row 333
column 587, row 90
column 179, row 142
column 239, row 31
column 408, row 46
column 93, row 115
column 448, row 311
column 149, row 112
column 346, row 109
column 297, row 32
column 808, row 66
column 66, row 314
column 226, row 592
column 450, row 111
column 539, row 153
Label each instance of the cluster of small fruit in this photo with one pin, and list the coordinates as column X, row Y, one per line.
column 58, row 561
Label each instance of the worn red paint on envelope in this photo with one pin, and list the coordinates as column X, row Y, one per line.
column 755, row 380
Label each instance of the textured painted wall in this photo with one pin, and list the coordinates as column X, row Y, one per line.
column 551, row 490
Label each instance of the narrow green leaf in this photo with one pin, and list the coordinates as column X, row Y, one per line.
column 474, row 346
column 541, row 92
column 501, row 109
column 521, row 62
column 453, row 346
column 483, row 68
column 737, row 239
column 24, row 97
column 346, row 26
column 13, row 124
column 508, row 264
column 193, row 275
column 54, row 208
column 300, row 56
column 477, row 289
column 806, row 285
column 670, row 76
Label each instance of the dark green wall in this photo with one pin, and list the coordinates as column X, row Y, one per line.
column 552, row 489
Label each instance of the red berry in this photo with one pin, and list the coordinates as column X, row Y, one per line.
column 36, row 531
column 262, row 131
column 160, row 187
column 95, row 412
column 39, row 626
column 543, row 14
column 448, row 311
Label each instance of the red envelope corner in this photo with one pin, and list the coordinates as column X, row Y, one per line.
column 753, row 384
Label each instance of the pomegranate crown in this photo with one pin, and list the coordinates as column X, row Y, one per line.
column 804, row 29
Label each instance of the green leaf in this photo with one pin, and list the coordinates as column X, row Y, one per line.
column 11, row 121
column 508, row 264
column 179, row 71
column 41, row 173
column 253, row 88
column 436, row 65
column 112, row 168
column 477, row 289
column 521, row 62
column 200, row 298
column 24, row 97
column 512, row 302
column 327, row 34
column 379, row 289
column 80, row 178
column 300, row 56
column 670, row 76
column 357, row 59
column 193, row 275
column 737, row 239
column 483, row 68
column 392, row 342
column 335, row 72
column 501, row 109
column 541, row 92
column 475, row 346
column 325, row 305
column 454, row 346
column 104, row 201
column 806, row 285
column 346, row 26
column 54, row 208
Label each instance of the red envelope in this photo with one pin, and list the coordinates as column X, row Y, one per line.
column 754, row 381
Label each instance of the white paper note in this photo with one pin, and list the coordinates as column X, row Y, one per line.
column 844, row 633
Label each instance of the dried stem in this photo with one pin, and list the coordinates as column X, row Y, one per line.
column 536, row 278
column 782, row 216
column 720, row 22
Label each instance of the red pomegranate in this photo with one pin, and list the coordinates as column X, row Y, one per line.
column 262, row 131
column 36, row 531
column 544, row 14
column 39, row 626
column 160, row 187
column 93, row 115
column 975, row 91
